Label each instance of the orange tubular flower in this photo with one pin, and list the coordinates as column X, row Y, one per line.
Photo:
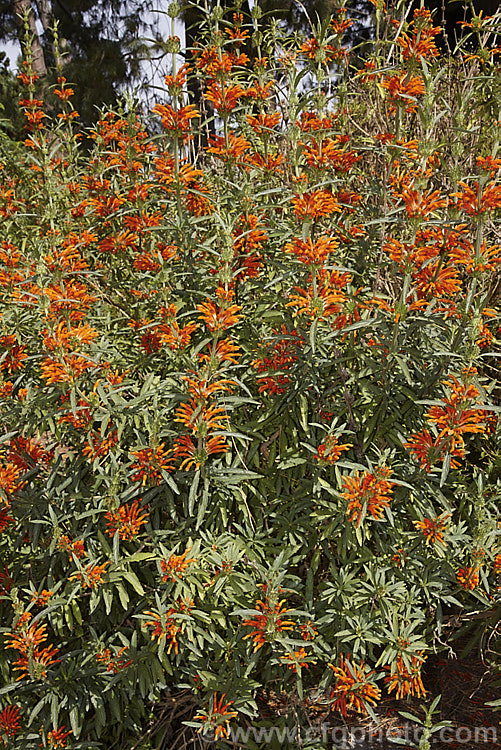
column 263, row 122
column 113, row 664
column 327, row 302
column 325, row 154
column 267, row 623
column 315, row 205
column 9, row 721
column 165, row 625
column 353, row 688
column 312, row 254
column 127, row 520
column 225, row 351
column 67, row 370
column 27, row 640
column 404, row 89
column 237, row 146
column 91, row 576
column 177, row 122
column 175, row 566
column 407, row 681
column 197, row 456
column 217, row 318
column 330, row 451
column 150, row 464
column 428, row 451
column 223, row 98
column 200, row 419
column 421, row 44
column 369, row 496
column 9, row 478
column 294, row 659
column 433, row 528
column 468, row 578
column 72, row 548
column 218, row 718
column 13, row 354
column 57, row 737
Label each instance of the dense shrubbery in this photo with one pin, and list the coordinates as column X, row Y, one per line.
column 248, row 382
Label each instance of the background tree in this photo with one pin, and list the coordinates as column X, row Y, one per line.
column 99, row 40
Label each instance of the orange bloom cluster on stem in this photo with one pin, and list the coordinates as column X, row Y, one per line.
column 407, row 681
column 279, row 355
column 353, row 688
column 456, row 417
column 433, row 528
column 150, row 463
column 330, row 451
column 420, row 43
column 27, row 639
column 127, row 520
column 268, row 623
column 217, row 718
column 91, row 576
column 370, row 494
column 112, row 663
column 468, row 578
column 174, row 568
column 166, row 626
column 9, row 722
column 57, row 737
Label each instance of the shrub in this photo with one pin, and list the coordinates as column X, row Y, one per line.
column 248, row 386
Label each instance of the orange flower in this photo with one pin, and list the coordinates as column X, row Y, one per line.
column 9, row 478
column 11, row 359
column 295, row 659
column 407, row 681
column 322, row 305
column 127, row 520
column 66, row 370
column 309, row 253
column 268, row 623
column 91, row 576
column 353, row 688
column 5, row 519
column 113, row 664
column 418, row 204
column 150, row 464
column 196, row 456
column 225, row 351
column 325, row 154
column 330, row 451
column 41, row 598
column 428, row 451
column 433, row 528
column 223, row 98
column 218, row 318
column 165, row 625
column 177, row 121
column 404, row 89
column 9, row 722
column 32, row 660
column 237, row 146
column 72, row 548
column 57, row 737
column 175, row 566
column 217, row 718
column 421, row 44
column 371, row 495
column 263, row 122
column 468, row 578
column 201, row 418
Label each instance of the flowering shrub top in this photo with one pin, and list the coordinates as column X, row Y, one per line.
column 248, row 384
